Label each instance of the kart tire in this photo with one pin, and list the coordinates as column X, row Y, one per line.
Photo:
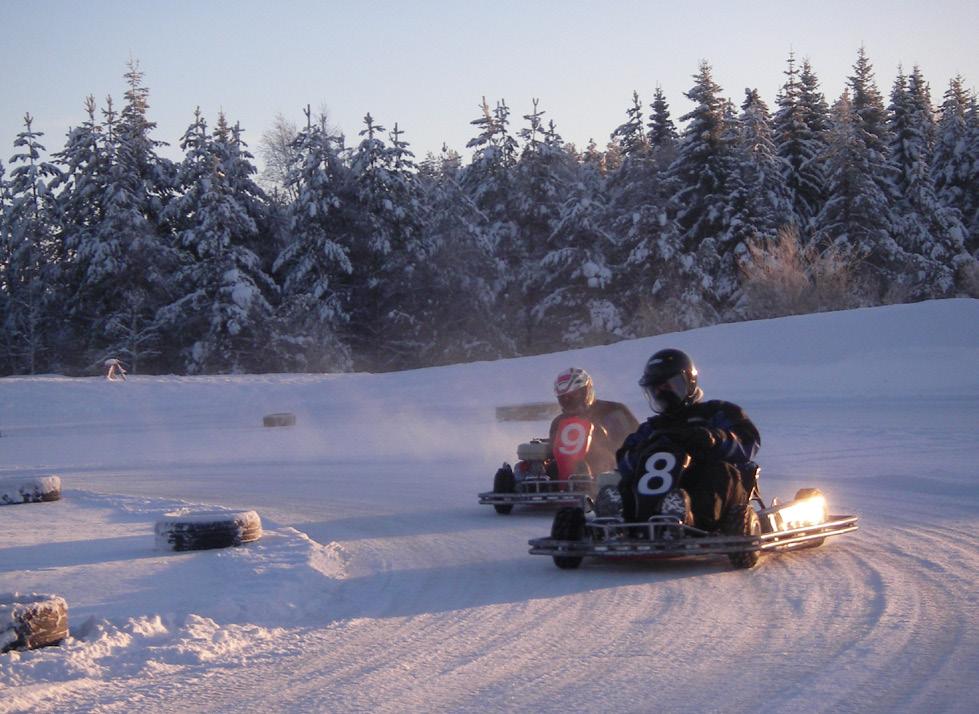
column 569, row 524
column 29, row 489
column 504, row 482
column 280, row 419
column 742, row 520
column 204, row 531
column 807, row 493
column 31, row 620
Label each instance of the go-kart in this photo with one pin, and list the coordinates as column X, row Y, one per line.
column 571, row 471
column 746, row 530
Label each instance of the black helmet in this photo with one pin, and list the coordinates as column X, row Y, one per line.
column 670, row 381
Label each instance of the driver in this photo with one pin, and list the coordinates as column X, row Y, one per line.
column 718, row 435
column 613, row 421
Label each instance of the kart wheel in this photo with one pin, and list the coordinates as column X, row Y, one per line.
column 504, row 482
column 569, row 524
column 742, row 520
column 808, row 493
column 29, row 621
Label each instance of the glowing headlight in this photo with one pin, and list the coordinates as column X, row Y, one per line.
column 806, row 512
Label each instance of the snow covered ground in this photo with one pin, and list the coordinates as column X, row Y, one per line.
column 381, row 585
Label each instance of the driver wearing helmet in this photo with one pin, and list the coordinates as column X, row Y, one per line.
column 613, row 421
column 718, row 435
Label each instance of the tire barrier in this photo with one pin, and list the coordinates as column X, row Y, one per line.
column 32, row 620
column 281, row 419
column 204, row 531
column 29, row 489
column 534, row 411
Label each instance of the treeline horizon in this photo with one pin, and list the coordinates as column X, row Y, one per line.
column 357, row 255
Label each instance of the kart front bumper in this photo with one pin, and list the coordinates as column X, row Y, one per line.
column 664, row 538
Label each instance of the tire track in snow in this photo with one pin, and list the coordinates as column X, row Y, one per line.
column 465, row 621
column 896, row 623
column 876, row 612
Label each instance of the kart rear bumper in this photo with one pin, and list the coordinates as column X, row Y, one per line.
column 566, row 498
column 571, row 492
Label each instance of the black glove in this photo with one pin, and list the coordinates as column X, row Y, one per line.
column 701, row 439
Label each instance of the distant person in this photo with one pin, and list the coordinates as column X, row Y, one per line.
column 613, row 421
column 114, row 370
column 718, row 435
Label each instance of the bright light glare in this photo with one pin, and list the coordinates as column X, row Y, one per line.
column 806, row 512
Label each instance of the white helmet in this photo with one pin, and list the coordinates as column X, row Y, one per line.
column 574, row 390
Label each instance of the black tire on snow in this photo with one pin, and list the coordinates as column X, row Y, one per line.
column 742, row 520
column 31, row 620
column 569, row 524
column 29, row 489
column 280, row 419
column 204, row 531
column 807, row 493
column 504, row 482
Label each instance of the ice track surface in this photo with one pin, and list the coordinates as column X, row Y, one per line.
column 381, row 585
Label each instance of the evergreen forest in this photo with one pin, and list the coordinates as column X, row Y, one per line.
column 352, row 253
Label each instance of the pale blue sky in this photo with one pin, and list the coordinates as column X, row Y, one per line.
column 426, row 64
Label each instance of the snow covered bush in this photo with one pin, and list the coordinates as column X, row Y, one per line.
column 969, row 279
column 788, row 278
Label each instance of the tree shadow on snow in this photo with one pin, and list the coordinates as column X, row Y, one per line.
column 77, row 552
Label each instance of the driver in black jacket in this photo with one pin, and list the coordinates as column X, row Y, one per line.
column 718, row 435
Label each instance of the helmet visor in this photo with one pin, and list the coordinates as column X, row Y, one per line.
column 667, row 395
column 573, row 402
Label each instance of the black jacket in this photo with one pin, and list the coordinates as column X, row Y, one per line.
column 736, row 437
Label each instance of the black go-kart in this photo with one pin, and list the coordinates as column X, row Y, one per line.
column 565, row 473
column 746, row 531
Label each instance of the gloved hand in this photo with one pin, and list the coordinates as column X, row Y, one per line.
column 701, row 439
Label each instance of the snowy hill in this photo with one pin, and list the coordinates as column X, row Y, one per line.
column 381, row 585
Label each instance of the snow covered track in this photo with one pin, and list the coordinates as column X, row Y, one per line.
column 381, row 585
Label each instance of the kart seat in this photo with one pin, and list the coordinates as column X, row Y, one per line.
column 750, row 473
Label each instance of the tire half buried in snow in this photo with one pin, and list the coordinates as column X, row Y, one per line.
column 31, row 620
column 29, row 489
column 212, row 529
